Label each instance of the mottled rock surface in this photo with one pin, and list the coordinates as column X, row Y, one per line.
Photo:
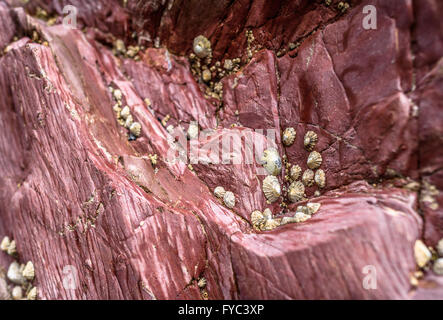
column 85, row 203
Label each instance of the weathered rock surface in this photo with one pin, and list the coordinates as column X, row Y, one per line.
column 84, row 203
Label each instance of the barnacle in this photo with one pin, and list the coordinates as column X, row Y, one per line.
column 28, row 271
column 14, row 273
column 201, row 283
column 310, row 140
column 269, row 223
column 135, row 128
column 296, row 191
column 202, row 46
column 117, row 94
column 314, row 160
column 438, row 266
column 129, row 121
column 308, row 178
column 12, row 249
column 421, row 253
column 300, row 216
column 313, row 207
column 219, row 192
column 32, row 294
column 193, row 130
column 295, row 172
column 320, row 178
column 271, row 188
column 4, row 245
column 440, row 248
column 229, row 199
column 125, row 112
column 206, row 75
column 271, row 161
column 288, row 137
column 17, row 293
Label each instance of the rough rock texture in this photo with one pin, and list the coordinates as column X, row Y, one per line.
column 74, row 192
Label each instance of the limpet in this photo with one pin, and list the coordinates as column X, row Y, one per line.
column 5, row 244
column 314, row 160
column 310, row 140
column 421, row 253
column 12, row 249
column 296, row 191
column 125, row 112
column 440, row 248
column 257, row 219
column 271, row 161
column 201, row 283
column 129, row 121
column 229, row 199
column 32, row 294
column 135, row 129
column 14, row 273
column 270, row 223
column 271, row 188
column 313, row 207
column 438, row 266
column 288, row 137
column 219, row 192
column 320, row 178
column 308, row 178
column 295, row 172
column 17, row 293
column 202, row 46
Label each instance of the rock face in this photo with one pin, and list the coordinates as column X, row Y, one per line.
column 103, row 215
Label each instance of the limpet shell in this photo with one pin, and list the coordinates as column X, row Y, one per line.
column 271, row 161
column 320, row 178
column 314, row 160
column 296, row 191
column 129, row 121
column 28, row 271
column 421, row 253
column 271, row 188
column 286, row 220
column 257, row 219
column 313, row 207
column 295, row 172
column 229, row 199
column 125, row 112
column 219, row 192
column 301, row 216
column 201, row 283
column 288, row 137
column 269, row 222
column 201, row 46
column 32, row 294
column 14, row 273
column 117, row 94
column 17, row 293
column 310, row 140
column 12, row 249
column 308, row 178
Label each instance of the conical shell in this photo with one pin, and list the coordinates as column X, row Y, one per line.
column 135, row 129
column 271, row 188
column 320, row 178
column 28, row 271
column 314, row 160
column 257, row 219
column 12, row 249
column 286, row 220
column 229, row 199
column 288, row 137
column 310, row 140
column 271, row 224
column 32, row 294
column 271, row 161
column 5, row 244
column 125, row 112
column 202, row 46
column 308, row 178
column 219, row 192
column 296, row 191
column 301, row 217
column 313, row 207
column 295, row 172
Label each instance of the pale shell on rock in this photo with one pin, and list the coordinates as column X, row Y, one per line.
column 421, row 253
column 135, row 129
column 257, row 219
column 117, row 94
column 271, row 188
column 296, row 191
column 14, row 273
column 310, row 140
column 295, row 172
column 313, row 207
column 17, row 293
column 271, row 224
column 301, row 217
column 308, row 178
column 125, row 112
column 28, row 271
column 314, row 160
column 438, row 266
column 286, row 220
column 219, row 192
column 271, row 161
column 202, row 46
column 288, row 137
column 440, row 248
column 32, row 294
column 320, row 178
column 5, row 244
column 12, row 249
column 193, row 130
column 201, row 283
column 129, row 121
column 229, row 199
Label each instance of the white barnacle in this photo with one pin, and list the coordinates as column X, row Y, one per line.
column 301, row 216
column 440, row 248
column 12, row 249
column 314, row 160
column 271, row 161
column 193, row 130
column 28, row 271
column 4, row 245
column 288, row 136
column 201, row 283
column 117, row 94
column 135, row 128
column 17, row 293
column 269, row 221
column 32, row 294
column 257, row 219
column 320, row 178
column 310, row 140
column 219, row 192
column 308, row 178
column 295, row 172
column 313, row 207
column 229, row 199
column 125, row 112
column 271, row 188
column 296, row 191
column 286, row 220
column 202, row 46
column 438, row 266
column 421, row 253
column 129, row 121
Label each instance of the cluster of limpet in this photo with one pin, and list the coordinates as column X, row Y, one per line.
column 20, row 275
column 264, row 221
column 302, row 214
column 124, row 116
column 228, row 197
column 428, row 257
column 119, row 49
